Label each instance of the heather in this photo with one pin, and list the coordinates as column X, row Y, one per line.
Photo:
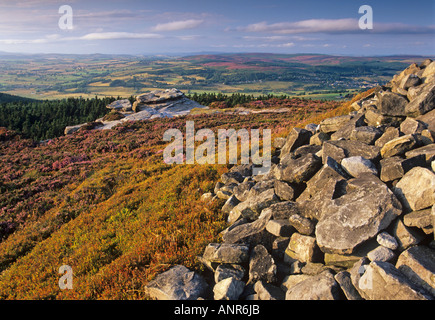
column 104, row 202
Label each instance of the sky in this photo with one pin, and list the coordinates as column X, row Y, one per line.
column 150, row 27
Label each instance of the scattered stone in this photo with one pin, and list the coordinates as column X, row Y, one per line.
column 261, row 265
column 391, row 104
column 382, row 281
column 333, row 124
column 298, row 170
column 344, row 280
column 358, row 166
column 386, row 240
column 292, row 280
column 395, row 167
column 302, row 225
column 428, row 151
column 367, row 208
column 389, row 134
column 418, row 264
column 297, row 137
column 398, row 146
column 178, row 283
column 224, row 271
column 421, row 219
column 267, row 291
column 120, row 105
column 228, row 289
column 284, row 190
column 423, row 103
column 366, row 134
column 412, row 126
column 381, row 253
column 280, row 228
column 319, row 138
column 302, row 248
column 226, row 253
column 405, row 237
column 319, row 287
column 416, row 190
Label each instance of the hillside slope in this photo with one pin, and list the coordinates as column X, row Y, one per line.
column 105, row 203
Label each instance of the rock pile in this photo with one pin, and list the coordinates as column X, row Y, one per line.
column 347, row 210
column 155, row 104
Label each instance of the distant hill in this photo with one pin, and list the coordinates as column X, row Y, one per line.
column 7, row 98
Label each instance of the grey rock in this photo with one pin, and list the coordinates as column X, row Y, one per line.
column 418, row 264
column 226, row 253
column 367, row 134
column 423, row 103
column 120, row 105
column 382, row 281
column 298, row 170
column 391, row 104
column 178, row 283
column 428, row 151
column 367, row 208
column 389, row 134
column 386, row 240
column 398, row 146
column 319, row 287
column 351, row 149
column 421, row 219
column 296, row 138
column 224, row 271
column 279, row 228
column 230, row 204
column 319, row 138
column 261, row 265
column 416, row 190
column 381, row 253
column 406, row 237
column 284, row 190
column 395, row 167
column 303, row 248
column 412, row 126
column 228, row 289
column 334, row 124
column 375, row 118
column 343, row 278
column 357, row 166
column 267, row 291
column 302, row 225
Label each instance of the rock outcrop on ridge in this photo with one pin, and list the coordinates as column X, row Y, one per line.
column 347, row 210
column 155, row 104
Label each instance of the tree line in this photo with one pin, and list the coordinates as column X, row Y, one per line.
column 41, row 120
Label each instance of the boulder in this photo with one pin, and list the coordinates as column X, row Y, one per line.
column 412, row 126
column 344, row 280
column 386, row 240
column 302, row 248
column 267, row 291
column 350, row 149
column 284, row 190
column 358, row 166
column 120, row 105
column 298, row 170
column 226, row 253
column 391, row 104
column 381, row 253
column 319, row 138
column 319, row 287
column 178, row 283
column 398, row 146
column 416, row 189
column 302, row 225
column 428, row 151
column 280, row 228
column 296, row 138
column 367, row 208
column 418, row 264
column 389, row 134
column 333, row 124
column 421, row 219
column 406, row 237
column 410, row 80
column 261, row 265
column 366, row 134
column 423, row 103
column 228, row 289
column 395, row 167
column 224, row 271
column 382, row 281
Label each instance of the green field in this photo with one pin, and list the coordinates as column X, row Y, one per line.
column 310, row 76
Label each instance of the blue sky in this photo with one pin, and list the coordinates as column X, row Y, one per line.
column 188, row 26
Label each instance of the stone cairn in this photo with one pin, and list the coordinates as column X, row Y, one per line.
column 347, row 210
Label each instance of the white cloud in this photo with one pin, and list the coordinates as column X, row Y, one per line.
column 117, row 36
column 178, row 25
column 348, row 25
